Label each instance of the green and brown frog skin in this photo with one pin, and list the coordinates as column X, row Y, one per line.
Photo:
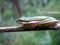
column 37, row 21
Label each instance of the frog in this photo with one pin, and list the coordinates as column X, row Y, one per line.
column 37, row 21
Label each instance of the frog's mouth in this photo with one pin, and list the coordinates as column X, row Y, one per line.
column 21, row 21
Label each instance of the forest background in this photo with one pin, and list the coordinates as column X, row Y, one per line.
column 8, row 17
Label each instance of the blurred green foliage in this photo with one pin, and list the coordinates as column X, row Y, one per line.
column 8, row 17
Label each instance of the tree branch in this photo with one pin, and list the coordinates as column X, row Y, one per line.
column 11, row 29
column 21, row 28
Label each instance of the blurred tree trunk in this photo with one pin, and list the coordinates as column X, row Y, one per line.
column 17, row 6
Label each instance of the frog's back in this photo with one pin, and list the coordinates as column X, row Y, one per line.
column 34, row 18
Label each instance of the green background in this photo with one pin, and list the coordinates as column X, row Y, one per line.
column 8, row 17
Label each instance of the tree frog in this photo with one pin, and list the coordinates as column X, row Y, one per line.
column 40, row 21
